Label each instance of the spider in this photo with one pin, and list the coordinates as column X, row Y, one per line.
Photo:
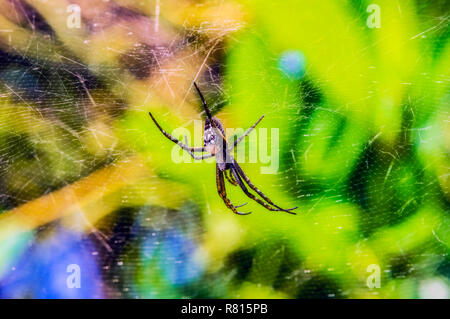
column 215, row 144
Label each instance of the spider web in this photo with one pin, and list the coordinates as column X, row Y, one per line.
column 361, row 115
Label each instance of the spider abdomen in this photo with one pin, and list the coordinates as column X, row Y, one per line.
column 212, row 141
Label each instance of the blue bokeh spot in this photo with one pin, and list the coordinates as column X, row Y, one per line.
column 292, row 63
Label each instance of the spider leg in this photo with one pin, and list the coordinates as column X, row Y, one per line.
column 230, row 178
column 205, row 106
column 199, row 157
column 246, row 133
column 250, row 184
column 223, row 193
column 245, row 190
column 187, row 148
column 208, row 112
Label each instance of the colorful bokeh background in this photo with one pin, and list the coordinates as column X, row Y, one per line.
column 361, row 102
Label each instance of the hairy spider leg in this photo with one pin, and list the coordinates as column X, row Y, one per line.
column 223, row 193
column 230, row 178
column 250, row 184
column 246, row 133
column 250, row 195
column 187, row 148
column 205, row 106
column 200, row 157
column 208, row 112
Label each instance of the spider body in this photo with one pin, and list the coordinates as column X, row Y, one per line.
column 215, row 144
column 209, row 135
